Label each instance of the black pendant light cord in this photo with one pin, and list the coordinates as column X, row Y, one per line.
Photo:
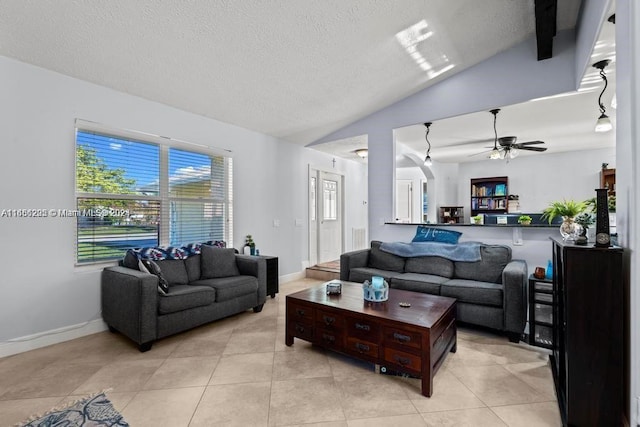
column 426, row 136
column 604, row 77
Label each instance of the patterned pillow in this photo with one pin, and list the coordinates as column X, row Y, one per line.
column 193, row 249
column 216, row 243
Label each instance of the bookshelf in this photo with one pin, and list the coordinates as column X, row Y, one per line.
column 489, row 195
column 451, row 214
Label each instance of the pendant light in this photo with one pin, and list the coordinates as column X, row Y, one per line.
column 495, row 153
column 427, row 159
column 604, row 123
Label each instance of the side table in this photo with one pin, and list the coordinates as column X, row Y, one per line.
column 541, row 312
column 272, row 274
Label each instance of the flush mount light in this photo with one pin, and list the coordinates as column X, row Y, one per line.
column 604, row 123
column 427, row 159
column 363, row 153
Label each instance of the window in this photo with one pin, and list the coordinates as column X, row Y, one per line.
column 134, row 193
column 330, row 202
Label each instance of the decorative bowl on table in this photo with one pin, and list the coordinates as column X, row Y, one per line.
column 377, row 290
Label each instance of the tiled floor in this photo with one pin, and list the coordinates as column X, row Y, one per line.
column 238, row 371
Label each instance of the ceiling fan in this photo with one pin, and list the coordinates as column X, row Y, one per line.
column 506, row 147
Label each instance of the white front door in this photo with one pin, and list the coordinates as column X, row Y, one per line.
column 329, row 194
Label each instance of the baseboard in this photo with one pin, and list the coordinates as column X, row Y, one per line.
column 293, row 276
column 54, row 336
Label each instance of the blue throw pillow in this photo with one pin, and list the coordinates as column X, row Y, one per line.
column 430, row 234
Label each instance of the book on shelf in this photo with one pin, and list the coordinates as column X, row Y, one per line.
column 501, row 190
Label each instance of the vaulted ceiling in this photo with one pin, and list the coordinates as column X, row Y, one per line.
column 294, row 69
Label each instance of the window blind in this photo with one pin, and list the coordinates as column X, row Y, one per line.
column 133, row 193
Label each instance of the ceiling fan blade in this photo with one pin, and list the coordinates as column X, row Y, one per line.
column 529, row 143
column 538, row 149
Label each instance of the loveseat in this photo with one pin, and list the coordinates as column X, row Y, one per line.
column 490, row 292
column 201, row 284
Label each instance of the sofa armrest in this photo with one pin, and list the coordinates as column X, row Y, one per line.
column 514, row 280
column 257, row 267
column 129, row 301
column 353, row 259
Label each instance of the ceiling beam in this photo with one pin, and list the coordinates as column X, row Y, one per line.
column 546, row 11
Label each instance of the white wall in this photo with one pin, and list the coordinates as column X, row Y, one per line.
column 540, row 178
column 42, row 289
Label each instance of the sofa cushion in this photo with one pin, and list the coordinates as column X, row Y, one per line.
column 174, row 271
column 494, row 259
column 425, row 283
column 360, row 274
column 384, row 260
column 228, row 288
column 430, row 265
column 217, row 262
column 431, row 234
column 473, row 291
column 192, row 264
column 183, row 297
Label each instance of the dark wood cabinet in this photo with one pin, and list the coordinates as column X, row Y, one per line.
column 272, row 275
column 540, row 312
column 489, row 195
column 587, row 358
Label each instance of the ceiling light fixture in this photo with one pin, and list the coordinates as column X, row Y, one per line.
column 427, row 159
column 495, row 153
column 363, row 153
column 604, row 123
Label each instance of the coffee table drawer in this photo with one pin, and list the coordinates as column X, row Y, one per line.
column 329, row 320
column 400, row 358
column 362, row 347
column 330, row 339
column 301, row 330
column 365, row 329
column 402, row 338
column 299, row 312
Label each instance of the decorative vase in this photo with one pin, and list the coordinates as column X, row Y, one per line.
column 525, row 222
column 568, row 228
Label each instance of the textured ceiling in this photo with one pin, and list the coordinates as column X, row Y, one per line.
column 295, row 69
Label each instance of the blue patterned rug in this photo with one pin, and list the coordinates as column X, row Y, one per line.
column 92, row 411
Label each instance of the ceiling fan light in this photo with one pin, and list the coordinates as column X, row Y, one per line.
column 428, row 161
column 603, row 124
column 513, row 153
column 495, row 154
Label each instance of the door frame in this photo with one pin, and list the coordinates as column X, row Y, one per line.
column 315, row 238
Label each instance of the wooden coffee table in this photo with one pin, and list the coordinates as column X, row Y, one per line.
column 414, row 340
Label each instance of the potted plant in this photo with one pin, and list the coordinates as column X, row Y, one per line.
column 524, row 220
column 567, row 209
column 250, row 244
column 477, row 219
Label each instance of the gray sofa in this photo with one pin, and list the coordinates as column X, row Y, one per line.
column 489, row 293
column 202, row 288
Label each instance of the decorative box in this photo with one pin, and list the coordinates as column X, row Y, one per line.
column 334, row 287
column 377, row 290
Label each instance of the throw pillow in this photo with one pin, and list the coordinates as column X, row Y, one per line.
column 218, row 262
column 430, row 234
column 153, row 268
column 130, row 260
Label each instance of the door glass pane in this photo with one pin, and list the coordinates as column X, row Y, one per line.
column 330, row 200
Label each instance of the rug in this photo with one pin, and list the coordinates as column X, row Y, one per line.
column 91, row 411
